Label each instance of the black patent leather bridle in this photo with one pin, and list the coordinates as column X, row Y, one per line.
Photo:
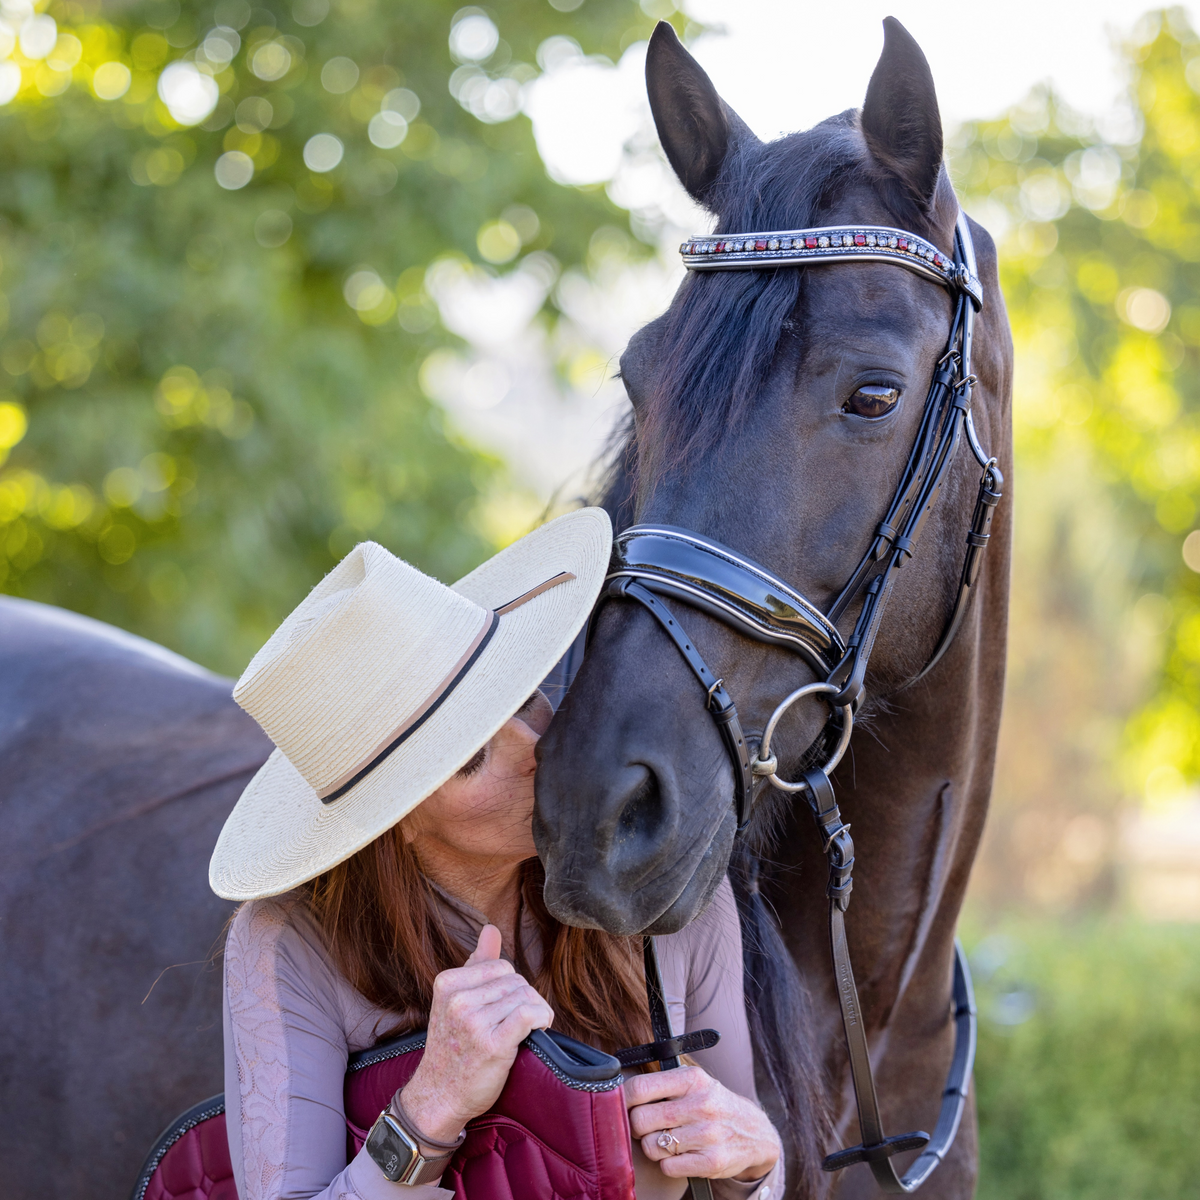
column 651, row 562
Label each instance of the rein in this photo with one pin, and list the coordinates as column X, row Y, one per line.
column 653, row 562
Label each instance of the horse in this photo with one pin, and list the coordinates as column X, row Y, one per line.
column 120, row 761
column 774, row 412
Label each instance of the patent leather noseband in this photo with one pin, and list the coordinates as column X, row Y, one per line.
column 655, row 563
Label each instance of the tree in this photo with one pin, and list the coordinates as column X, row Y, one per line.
column 215, row 225
column 1100, row 262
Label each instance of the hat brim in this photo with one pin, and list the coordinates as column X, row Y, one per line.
column 281, row 835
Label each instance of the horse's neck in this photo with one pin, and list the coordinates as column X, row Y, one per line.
column 915, row 791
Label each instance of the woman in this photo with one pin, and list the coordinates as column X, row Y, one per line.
column 386, row 850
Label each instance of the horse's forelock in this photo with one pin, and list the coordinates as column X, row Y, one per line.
column 723, row 328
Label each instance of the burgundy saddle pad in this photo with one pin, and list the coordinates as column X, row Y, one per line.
column 559, row 1130
column 190, row 1160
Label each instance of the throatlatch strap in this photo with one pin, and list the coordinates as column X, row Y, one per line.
column 990, row 495
column 660, row 1026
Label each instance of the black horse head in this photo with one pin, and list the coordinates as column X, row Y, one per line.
column 773, row 412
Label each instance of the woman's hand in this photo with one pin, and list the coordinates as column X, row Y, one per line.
column 481, row 1013
column 721, row 1135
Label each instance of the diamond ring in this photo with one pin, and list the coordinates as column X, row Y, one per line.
column 669, row 1142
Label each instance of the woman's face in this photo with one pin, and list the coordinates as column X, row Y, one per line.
column 486, row 810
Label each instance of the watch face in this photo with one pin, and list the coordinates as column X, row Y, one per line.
column 390, row 1150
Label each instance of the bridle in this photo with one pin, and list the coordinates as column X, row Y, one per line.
column 653, row 562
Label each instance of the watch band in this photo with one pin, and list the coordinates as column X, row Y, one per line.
column 399, row 1157
column 422, row 1139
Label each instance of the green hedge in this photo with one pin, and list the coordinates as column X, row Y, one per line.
column 1088, row 1074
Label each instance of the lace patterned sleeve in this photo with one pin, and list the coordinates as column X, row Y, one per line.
column 285, row 1061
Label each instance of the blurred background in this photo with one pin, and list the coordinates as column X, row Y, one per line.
column 276, row 277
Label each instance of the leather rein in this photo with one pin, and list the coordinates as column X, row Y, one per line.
column 653, row 562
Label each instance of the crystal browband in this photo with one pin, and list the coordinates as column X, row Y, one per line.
column 833, row 243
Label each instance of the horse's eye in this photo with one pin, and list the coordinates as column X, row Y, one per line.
column 872, row 401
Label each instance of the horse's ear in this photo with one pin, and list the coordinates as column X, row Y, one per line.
column 696, row 127
column 900, row 117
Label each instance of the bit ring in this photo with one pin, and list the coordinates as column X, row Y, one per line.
column 765, row 763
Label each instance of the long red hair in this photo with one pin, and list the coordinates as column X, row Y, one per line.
column 382, row 920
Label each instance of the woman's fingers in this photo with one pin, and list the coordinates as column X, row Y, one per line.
column 495, row 1013
column 454, row 987
column 705, row 1150
column 468, row 999
column 713, row 1132
column 692, row 1166
column 487, row 949
column 523, row 1018
column 692, row 1139
column 664, row 1085
column 648, row 1119
column 484, row 1017
column 472, row 975
column 481, row 1012
column 662, row 1099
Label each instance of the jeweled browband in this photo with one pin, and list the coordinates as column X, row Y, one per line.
column 831, row 243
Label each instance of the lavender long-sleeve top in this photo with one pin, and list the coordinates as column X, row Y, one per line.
column 291, row 1021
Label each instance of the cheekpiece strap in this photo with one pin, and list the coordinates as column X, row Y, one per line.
column 832, row 243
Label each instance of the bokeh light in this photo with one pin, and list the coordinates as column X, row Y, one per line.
column 1191, row 551
column 10, row 82
column 364, row 290
column 234, row 169
column 38, row 35
column 323, row 152
column 220, row 45
column 254, row 114
column 498, row 242
column 309, row 12
column 272, row 228
column 13, row 424
column 473, row 36
column 402, row 101
column 387, row 129
column 271, row 61
column 1144, row 308
column 111, row 80
column 188, row 93
column 339, row 75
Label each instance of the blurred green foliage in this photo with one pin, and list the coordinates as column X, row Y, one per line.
column 1088, row 1073
column 1101, row 272
column 212, row 331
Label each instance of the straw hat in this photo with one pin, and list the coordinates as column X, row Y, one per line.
column 383, row 683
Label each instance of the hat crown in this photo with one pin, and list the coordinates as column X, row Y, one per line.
column 360, row 655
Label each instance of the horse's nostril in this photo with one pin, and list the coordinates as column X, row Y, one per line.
column 643, row 814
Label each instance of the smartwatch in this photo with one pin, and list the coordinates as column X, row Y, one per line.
column 399, row 1157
